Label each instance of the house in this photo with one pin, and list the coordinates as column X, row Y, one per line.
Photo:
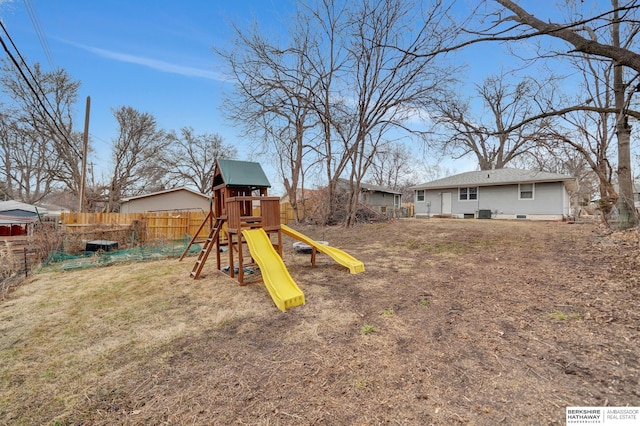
column 383, row 200
column 17, row 218
column 171, row 199
column 498, row 194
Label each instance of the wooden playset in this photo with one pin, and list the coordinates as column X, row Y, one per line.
column 241, row 213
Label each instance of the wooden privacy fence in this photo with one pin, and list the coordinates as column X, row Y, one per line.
column 157, row 225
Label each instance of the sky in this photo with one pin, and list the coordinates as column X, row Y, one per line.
column 155, row 56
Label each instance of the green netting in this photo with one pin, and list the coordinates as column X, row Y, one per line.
column 58, row 260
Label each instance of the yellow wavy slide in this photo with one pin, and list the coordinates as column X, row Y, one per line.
column 355, row 266
column 283, row 290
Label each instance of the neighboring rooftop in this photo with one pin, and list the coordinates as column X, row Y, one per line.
column 372, row 187
column 17, row 208
column 498, row 177
column 167, row 191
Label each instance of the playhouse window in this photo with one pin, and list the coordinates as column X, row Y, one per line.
column 526, row 191
column 470, row 193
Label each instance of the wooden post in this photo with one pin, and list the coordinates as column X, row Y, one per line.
column 85, row 144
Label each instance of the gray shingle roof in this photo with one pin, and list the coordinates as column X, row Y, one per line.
column 498, row 177
column 371, row 187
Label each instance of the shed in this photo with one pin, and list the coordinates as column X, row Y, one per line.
column 499, row 194
column 16, row 218
column 18, row 209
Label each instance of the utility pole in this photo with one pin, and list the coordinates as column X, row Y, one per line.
column 85, row 145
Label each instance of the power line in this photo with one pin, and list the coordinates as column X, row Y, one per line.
column 35, row 21
column 33, row 90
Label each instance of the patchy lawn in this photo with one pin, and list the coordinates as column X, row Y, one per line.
column 453, row 322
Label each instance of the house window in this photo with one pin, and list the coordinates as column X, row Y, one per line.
column 470, row 193
column 526, row 191
column 420, row 195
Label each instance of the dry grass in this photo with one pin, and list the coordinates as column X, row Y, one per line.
column 9, row 264
column 145, row 344
column 68, row 331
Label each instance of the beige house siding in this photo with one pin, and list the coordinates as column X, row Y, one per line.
column 178, row 199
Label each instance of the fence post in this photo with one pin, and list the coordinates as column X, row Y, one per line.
column 26, row 265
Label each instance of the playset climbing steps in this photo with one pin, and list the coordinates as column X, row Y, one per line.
column 209, row 243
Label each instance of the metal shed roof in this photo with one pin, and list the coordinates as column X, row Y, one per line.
column 16, row 208
column 242, row 174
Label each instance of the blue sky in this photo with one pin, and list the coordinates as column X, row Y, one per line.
column 157, row 57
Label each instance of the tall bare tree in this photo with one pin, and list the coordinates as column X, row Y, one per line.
column 591, row 133
column 494, row 141
column 336, row 79
column 137, row 156
column 272, row 97
column 327, row 59
column 388, row 84
column 28, row 171
column 40, row 122
column 190, row 159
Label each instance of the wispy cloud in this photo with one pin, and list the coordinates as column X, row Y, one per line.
column 153, row 63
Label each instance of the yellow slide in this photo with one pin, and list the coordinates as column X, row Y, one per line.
column 338, row 255
column 283, row 290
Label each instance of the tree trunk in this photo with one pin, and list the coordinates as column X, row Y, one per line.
column 626, row 208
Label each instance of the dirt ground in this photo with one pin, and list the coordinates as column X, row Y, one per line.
column 471, row 322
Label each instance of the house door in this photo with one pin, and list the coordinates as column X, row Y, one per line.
column 446, row 202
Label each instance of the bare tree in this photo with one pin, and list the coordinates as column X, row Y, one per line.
column 502, row 137
column 341, row 87
column 327, row 59
column 272, row 96
column 392, row 166
column 137, row 156
column 40, row 122
column 29, row 158
column 574, row 32
column 190, row 160
column 522, row 25
column 592, row 133
column 6, row 171
column 563, row 158
column 388, row 84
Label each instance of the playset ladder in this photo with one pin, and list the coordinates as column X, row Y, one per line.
column 210, row 242
column 195, row 236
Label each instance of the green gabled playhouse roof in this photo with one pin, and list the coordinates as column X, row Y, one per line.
column 235, row 173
